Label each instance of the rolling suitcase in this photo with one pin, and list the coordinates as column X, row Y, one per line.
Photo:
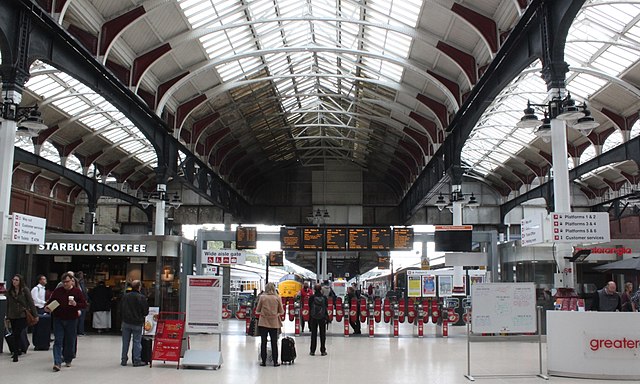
column 41, row 334
column 11, row 341
column 288, row 350
column 147, row 349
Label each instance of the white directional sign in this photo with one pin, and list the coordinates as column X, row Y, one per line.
column 27, row 229
column 223, row 256
column 580, row 227
column 532, row 230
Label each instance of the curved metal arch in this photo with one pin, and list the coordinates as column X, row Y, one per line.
column 210, row 64
column 155, row 4
column 418, row 34
column 473, row 28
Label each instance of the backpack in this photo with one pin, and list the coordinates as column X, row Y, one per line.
column 318, row 311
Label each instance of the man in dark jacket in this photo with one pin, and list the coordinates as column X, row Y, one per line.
column 607, row 299
column 134, row 310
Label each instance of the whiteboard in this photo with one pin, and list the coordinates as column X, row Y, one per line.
column 503, row 308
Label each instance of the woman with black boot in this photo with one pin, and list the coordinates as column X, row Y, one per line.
column 18, row 300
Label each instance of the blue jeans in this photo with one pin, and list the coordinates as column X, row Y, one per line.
column 129, row 330
column 64, row 346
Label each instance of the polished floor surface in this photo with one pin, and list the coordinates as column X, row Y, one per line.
column 353, row 360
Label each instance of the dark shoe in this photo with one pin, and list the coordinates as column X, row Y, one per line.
column 263, row 364
column 67, row 364
column 276, row 364
column 15, row 358
column 324, row 353
column 312, row 353
column 123, row 363
column 56, row 368
column 139, row 364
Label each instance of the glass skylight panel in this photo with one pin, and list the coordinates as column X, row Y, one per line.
column 49, row 152
column 588, row 154
column 585, row 85
column 612, row 141
column 615, row 60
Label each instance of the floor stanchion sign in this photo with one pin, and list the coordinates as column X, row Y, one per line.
column 204, row 315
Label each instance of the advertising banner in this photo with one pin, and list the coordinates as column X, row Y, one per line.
column 151, row 321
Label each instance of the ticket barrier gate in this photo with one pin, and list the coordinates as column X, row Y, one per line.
column 296, row 315
column 447, row 311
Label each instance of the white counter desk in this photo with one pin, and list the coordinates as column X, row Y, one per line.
column 603, row 345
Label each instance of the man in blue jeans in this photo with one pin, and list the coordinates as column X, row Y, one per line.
column 134, row 310
column 64, row 304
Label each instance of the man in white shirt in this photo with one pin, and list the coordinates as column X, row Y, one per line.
column 38, row 293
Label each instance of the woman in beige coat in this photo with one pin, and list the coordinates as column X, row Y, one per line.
column 269, row 308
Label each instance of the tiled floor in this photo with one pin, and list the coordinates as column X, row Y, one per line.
column 353, row 360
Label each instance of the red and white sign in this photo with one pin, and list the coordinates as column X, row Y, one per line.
column 454, row 227
column 580, row 227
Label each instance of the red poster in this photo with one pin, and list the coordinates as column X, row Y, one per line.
column 168, row 339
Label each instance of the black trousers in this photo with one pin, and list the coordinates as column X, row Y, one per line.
column 19, row 330
column 273, row 335
column 314, row 325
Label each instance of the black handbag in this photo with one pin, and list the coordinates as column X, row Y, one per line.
column 253, row 327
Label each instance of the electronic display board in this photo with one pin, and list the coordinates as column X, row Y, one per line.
column 402, row 239
column 453, row 240
column 312, row 239
column 358, row 239
column 336, row 239
column 246, row 237
column 380, row 239
column 290, row 239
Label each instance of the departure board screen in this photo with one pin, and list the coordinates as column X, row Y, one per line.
column 358, row 239
column 290, row 239
column 246, row 237
column 380, row 239
column 312, row 239
column 402, row 239
column 336, row 239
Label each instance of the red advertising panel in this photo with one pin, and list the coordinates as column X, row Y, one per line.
column 168, row 340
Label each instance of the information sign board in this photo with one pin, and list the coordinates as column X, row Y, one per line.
column 27, row 229
column 336, row 239
column 246, row 237
column 290, row 239
column 223, row 256
column 358, row 239
column 381, row 239
column 503, row 308
column 204, row 304
column 580, row 227
column 532, row 230
column 402, row 239
column 312, row 238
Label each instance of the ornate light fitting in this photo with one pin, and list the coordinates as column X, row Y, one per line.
column 28, row 119
column 577, row 116
column 456, row 196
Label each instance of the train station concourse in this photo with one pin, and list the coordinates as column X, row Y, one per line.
column 414, row 151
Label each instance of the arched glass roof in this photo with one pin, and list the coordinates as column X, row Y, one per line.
column 601, row 47
column 79, row 105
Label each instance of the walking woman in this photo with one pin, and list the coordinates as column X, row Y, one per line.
column 18, row 300
column 269, row 308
